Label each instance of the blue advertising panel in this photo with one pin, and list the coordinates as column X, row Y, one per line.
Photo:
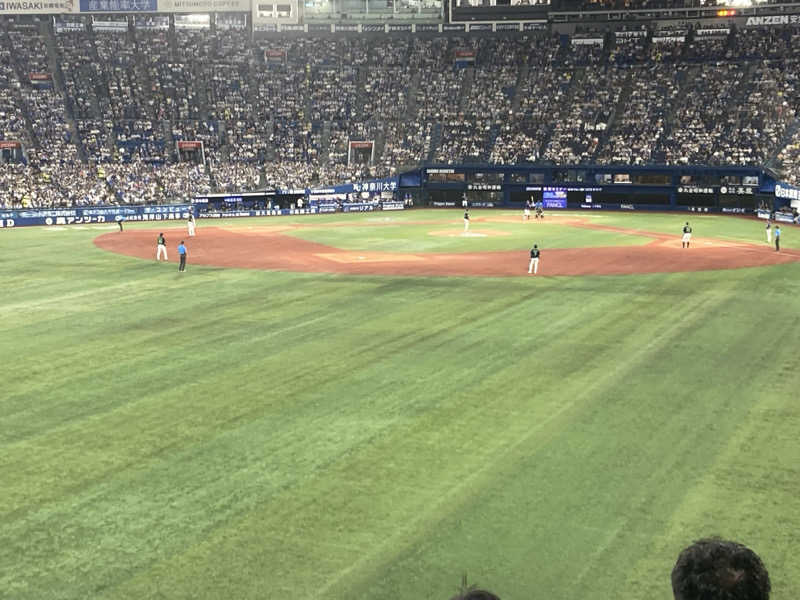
column 93, row 214
column 554, row 198
column 126, row 6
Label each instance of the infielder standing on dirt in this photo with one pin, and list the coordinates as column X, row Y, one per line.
column 190, row 225
column 161, row 246
column 466, row 220
column 533, row 266
column 687, row 235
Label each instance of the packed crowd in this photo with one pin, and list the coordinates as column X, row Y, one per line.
column 285, row 112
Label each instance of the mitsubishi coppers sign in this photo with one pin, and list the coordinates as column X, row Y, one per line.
column 202, row 6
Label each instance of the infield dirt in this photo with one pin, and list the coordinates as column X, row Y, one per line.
column 268, row 247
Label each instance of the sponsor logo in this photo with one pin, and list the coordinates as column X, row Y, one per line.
column 693, row 189
column 788, row 192
column 734, row 210
column 627, row 207
column 770, row 20
column 31, row 6
column 485, row 187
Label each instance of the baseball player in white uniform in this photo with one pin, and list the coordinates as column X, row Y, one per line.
column 190, row 225
column 161, row 247
column 526, row 214
column 769, row 231
column 466, row 220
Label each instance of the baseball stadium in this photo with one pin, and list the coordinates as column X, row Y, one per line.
column 399, row 299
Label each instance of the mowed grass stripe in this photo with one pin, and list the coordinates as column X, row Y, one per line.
column 294, row 538
column 115, row 429
column 494, row 553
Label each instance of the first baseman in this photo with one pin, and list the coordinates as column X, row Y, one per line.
column 190, row 225
column 533, row 266
column 161, row 245
column 687, row 235
column 769, row 232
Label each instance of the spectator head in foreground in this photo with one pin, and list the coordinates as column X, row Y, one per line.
column 471, row 592
column 715, row 569
column 476, row 594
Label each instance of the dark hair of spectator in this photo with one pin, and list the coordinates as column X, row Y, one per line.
column 470, row 592
column 716, row 569
column 476, row 594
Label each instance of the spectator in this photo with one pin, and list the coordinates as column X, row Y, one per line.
column 715, row 569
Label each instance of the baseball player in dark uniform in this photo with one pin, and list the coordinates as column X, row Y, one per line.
column 687, row 236
column 466, row 220
column 533, row 266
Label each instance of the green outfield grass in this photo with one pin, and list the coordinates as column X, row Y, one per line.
column 406, row 234
column 249, row 434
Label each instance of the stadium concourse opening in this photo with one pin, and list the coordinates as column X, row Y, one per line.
column 271, row 248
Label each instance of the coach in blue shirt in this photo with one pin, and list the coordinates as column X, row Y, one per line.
column 182, row 254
